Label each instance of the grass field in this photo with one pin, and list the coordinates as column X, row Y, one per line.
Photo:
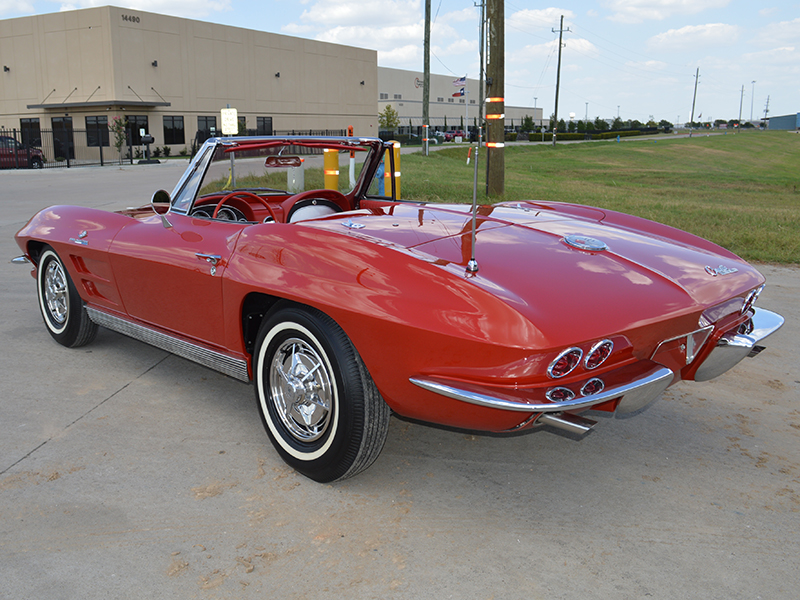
column 740, row 191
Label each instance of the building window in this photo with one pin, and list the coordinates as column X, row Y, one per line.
column 63, row 140
column 241, row 125
column 398, row 96
column 173, row 130
column 461, row 101
column 384, row 96
column 206, row 128
column 263, row 125
column 31, row 134
column 450, row 100
column 97, row 131
column 440, row 99
column 472, row 101
column 136, row 123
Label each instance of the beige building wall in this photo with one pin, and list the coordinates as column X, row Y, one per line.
column 403, row 91
column 118, row 62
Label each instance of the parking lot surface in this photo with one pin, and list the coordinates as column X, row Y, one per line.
column 126, row 472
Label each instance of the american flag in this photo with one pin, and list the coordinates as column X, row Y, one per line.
column 460, row 82
column 459, row 93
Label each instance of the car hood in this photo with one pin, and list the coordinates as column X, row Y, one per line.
column 524, row 258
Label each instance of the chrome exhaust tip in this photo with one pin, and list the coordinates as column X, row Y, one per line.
column 567, row 422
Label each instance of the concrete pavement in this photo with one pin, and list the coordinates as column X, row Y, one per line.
column 126, row 472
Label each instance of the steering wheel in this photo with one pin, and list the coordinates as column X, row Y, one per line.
column 334, row 196
column 247, row 195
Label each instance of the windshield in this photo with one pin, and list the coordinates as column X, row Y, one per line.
column 260, row 179
column 283, row 169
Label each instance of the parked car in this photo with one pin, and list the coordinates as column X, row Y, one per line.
column 343, row 305
column 14, row 155
column 450, row 136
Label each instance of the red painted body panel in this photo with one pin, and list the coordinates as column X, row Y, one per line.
column 394, row 277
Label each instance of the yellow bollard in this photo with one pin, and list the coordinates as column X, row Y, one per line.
column 387, row 174
column 331, row 168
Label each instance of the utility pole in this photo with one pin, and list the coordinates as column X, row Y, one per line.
column 752, row 97
column 561, row 31
column 495, row 100
column 694, row 98
column 426, row 77
column 739, row 126
column 766, row 112
column 482, row 74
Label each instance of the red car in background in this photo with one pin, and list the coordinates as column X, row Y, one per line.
column 450, row 136
column 345, row 304
column 14, row 155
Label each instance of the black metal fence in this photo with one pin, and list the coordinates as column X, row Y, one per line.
column 61, row 148
column 67, row 147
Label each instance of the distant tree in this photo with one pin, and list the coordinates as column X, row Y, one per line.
column 664, row 124
column 600, row 124
column 527, row 124
column 636, row 124
column 389, row 120
column 562, row 126
column 617, row 124
column 581, row 127
column 589, row 126
column 572, row 126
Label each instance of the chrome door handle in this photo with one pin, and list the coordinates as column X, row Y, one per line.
column 209, row 258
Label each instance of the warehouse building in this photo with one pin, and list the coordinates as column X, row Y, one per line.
column 785, row 122
column 68, row 76
column 452, row 104
column 169, row 77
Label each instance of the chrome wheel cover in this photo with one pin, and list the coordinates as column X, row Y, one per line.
column 301, row 389
column 55, row 292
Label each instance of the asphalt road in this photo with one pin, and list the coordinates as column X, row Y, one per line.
column 126, row 472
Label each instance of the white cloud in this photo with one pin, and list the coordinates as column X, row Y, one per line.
column 636, row 11
column 460, row 16
column 15, row 7
column 333, row 13
column 783, row 33
column 787, row 56
column 692, row 37
column 547, row 18
column 191, row 9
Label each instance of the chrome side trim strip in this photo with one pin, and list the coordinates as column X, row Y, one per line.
column 20, row 260
column 233, row 367
column 733, row 348
column 640, row 392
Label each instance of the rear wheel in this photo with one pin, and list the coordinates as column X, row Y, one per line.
column 62, row 308
column 318, row 404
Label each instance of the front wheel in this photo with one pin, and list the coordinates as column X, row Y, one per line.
column 317, row 402
column 62, row 308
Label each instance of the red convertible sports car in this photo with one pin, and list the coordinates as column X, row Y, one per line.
column 343, row 303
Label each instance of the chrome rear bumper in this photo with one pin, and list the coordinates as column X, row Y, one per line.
column 636, row 385
column 732, row 348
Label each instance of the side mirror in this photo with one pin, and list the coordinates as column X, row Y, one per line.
column 161, row 203
column 160, row 199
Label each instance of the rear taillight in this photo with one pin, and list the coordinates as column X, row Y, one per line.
column 565, row 363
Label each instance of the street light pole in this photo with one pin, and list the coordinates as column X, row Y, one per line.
column 752, row 95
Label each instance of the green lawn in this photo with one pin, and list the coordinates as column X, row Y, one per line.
column 740, row 191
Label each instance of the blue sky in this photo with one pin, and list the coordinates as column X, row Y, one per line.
column 635, row 58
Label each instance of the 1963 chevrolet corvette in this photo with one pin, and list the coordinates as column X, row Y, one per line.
column 343, row 305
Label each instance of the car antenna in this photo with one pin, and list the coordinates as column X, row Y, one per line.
column 472, row 265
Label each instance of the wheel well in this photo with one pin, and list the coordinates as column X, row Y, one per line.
column 35, row 250
column 255, row 307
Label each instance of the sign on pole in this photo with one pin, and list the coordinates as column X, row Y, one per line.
column 230, row 122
